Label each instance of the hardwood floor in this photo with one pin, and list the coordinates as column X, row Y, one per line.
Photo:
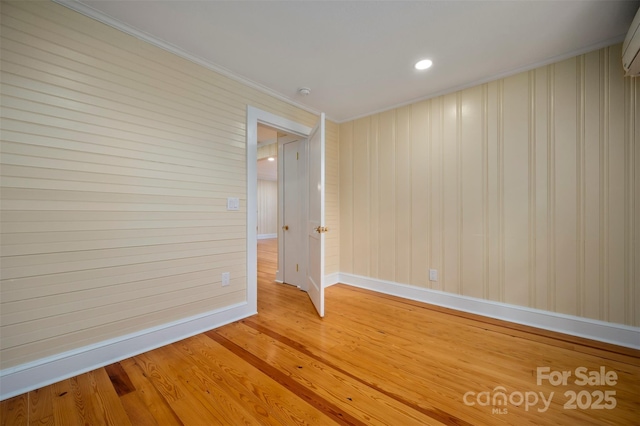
column 373, row 360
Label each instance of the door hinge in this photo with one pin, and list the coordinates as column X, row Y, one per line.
column 296, row 267
column 297, row 155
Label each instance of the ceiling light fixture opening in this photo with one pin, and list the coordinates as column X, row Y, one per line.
column 423, row 64
column 304, row 91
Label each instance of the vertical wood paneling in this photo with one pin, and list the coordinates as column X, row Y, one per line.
column 500, row 199
column 566, row 186
column 523, row 190
column 551, row 189
column 636, row 207
column 542, row 126
column 361, row 199
column 604, row 185
column 387, row 187
column 402, row 199
column 617, row 194
column 267, row 201
column 420, row 183
column 374, row 223
column 117, row 159
column 532, row 189
column 436, row 173
column 332, row 198
column 630, row 276
column 580, row 188
column 515, row 183
column 460, row 193
column 591, row 183
column 346, row 197
column 472, row 192
column 486, row 245
column 494, row 254
column 451, row 192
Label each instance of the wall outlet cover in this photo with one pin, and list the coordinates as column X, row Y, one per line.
column 233, row 203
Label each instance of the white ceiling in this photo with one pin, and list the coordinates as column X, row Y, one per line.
column 357, row 56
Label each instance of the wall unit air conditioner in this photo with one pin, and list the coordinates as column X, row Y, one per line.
column 631, row 48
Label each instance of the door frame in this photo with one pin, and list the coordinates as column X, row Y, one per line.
column 255, row 116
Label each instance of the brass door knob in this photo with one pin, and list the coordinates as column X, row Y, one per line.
column 286, row 227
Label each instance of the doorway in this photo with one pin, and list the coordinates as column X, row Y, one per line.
column 281, row 197
column 314, row 223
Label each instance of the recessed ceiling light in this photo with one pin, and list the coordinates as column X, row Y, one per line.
column 423, row 64
column 271, row 159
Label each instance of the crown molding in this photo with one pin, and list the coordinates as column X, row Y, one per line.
column 92, row 13
column 105, row 19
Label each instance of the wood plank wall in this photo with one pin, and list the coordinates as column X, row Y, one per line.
column 117, row 158
column 525, row 190
column 267, row 207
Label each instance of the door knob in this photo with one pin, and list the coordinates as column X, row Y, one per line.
column 286, row 227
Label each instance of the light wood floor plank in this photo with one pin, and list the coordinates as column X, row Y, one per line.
column 250, row 384
column 14, row 411
column 153, row 401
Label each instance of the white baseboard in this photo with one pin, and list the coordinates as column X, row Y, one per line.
column 331, row 279
column 267, row 236
column 33, row 375
column 616, row 334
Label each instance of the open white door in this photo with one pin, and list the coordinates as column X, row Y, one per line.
column 315, row 227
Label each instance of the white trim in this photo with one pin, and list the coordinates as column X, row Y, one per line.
column 616, row 334
column 45, row 371
column 331, row 279
column 255, row 116
column 267, row 236
column 128, row 29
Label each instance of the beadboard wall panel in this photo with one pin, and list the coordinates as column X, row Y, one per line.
column 267, row 207
column 332, row 198
column 523, row 190
column 117, row 159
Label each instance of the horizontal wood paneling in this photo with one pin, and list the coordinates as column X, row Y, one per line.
column 522, row 190
column 117, row 159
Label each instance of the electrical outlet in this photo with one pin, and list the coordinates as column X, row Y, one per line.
column 433, row 275
column 225, row 279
